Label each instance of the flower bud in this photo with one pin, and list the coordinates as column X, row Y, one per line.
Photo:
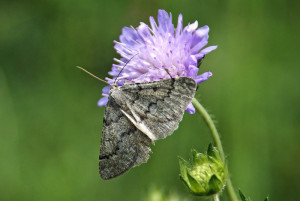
column 206, row 175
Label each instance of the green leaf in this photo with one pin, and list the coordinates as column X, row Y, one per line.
column 214, row 161
column 187, row 185
column 195, row 159
column 215, row 185
column 195, row 187
column 183, row 164
column 198, row 158
column 213, row 152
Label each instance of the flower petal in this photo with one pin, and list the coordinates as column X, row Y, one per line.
column 200, row 35
column 191, row 27
column 129, row 36
column 179, row 26
column 199, row 46
column 143, row 31
column 106, row 89
column 153, row 24
column 102, row 102
column 190, row 109
column 165, row 22
column 192, row 71
column 203, row 77
column 208, row 49
column 114, row 70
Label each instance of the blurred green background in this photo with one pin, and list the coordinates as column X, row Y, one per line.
column 50, row 125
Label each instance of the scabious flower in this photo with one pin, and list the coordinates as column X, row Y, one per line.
column 159, row 52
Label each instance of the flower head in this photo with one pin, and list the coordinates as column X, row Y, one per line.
column 159, row 52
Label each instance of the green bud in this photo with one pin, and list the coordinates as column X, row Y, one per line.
column 206, row 175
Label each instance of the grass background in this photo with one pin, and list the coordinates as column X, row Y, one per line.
column 50, row 125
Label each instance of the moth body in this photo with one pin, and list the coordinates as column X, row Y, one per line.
column 137, row 115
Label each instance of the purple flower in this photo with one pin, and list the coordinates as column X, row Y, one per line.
column 159, row 52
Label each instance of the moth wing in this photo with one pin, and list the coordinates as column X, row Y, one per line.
column 159, row 105
column 123, row 146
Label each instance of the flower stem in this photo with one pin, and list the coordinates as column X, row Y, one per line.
column 211, row 126
column 217, row 141
column 216, row 197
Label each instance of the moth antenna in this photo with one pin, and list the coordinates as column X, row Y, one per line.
column 168, row 73
column 124, row 67
column 94, row 76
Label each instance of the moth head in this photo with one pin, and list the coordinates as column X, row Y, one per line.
column 114, row 86
column 118, row 95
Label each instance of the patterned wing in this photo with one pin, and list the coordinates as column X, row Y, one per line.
column 161, row 104
column 122, row 144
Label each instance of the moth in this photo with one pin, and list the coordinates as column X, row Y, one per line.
column 135, row 116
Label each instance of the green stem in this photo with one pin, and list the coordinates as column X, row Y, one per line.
column 211, row 126
column 216, row 197
column 217, row 141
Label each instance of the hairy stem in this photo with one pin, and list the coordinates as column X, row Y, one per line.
column 217, row 141
column 211, row 126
